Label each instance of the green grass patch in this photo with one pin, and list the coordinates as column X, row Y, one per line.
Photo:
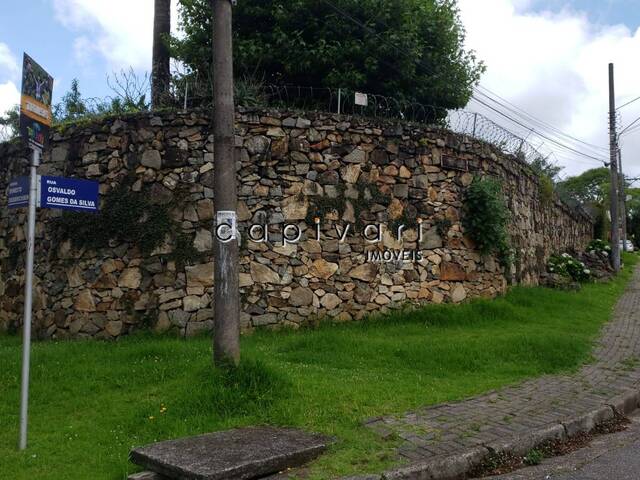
column 92, row 401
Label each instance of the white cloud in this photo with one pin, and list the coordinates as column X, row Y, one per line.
column 8, row 63
column 554, row 65
column 9, row 74
column 9, row 96
column 118, row 30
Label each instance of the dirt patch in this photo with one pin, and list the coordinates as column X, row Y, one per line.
column 501, row 463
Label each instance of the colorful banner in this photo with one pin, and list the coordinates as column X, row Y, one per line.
column 35, row 104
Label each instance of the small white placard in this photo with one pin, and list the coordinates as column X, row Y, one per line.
column 226, row 226
column 362, row 99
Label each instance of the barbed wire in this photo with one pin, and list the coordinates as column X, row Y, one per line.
column 343, row 101
column 186, row 93
column 189, row 94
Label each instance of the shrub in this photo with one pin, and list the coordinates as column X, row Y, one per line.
column 569, row 267
column 599, row 246
column 534, row 457
column 486, row 218
column 546, row 190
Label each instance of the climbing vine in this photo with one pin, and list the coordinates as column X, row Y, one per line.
column 126, row 217
column 486, row 218
column 368, row 195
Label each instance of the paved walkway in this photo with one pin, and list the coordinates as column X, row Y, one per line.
column 455, row 427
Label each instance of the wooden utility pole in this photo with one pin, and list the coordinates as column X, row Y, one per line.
column 160, row 64
column 623, row 201
column 226, row 343
column 613, row 160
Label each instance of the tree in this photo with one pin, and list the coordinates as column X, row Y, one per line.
column 633, row 215
column 72, row 106
column 412, row 50
column 128, row 97
column 10, row 124
column 544, row 168
column 160, row 68
column 590, row 187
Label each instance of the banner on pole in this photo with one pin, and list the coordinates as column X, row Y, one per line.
column 35, row 103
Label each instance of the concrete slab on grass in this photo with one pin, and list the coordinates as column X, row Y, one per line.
column 240, row 454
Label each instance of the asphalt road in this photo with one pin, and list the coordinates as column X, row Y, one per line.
column 608, row 457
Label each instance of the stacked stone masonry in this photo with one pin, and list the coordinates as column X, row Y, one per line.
column 290, row 166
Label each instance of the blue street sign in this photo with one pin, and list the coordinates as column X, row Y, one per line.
column 18, row 192
column 69, row 194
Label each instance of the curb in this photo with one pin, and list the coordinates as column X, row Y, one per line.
column 456, row 467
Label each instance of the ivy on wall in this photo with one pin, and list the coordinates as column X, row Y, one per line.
column 486, row 218
column 368, row 195
column 126, row 217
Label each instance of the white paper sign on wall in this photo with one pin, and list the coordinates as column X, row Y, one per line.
column 362, row 99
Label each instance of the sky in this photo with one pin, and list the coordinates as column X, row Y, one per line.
column 547, row 57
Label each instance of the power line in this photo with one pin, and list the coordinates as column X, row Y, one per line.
column 628, row 103
column 539, row 134
column 534, row 119
column 569, row 159
column 632, row 130
column 550, row 131
column 629, row 126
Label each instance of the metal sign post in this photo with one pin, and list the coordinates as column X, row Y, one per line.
column 35, row 122
column 28, row 297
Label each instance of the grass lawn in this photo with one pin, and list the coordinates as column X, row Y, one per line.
column 92, row 401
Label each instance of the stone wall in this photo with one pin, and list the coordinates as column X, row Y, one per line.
column 291, row 169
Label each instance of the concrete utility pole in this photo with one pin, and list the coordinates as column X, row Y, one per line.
column 226, row 343
column 623, row 201
column 613, row 150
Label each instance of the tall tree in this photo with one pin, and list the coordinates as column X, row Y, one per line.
column 633, row 215
column 407, row 49
column 590, row 187
column 160, row 67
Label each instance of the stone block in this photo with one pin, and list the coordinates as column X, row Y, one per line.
column 246, row 453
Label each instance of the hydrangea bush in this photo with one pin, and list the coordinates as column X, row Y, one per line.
column 599, row 246
column 567, row 266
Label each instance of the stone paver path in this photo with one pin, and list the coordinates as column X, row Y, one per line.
column 451, row 428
